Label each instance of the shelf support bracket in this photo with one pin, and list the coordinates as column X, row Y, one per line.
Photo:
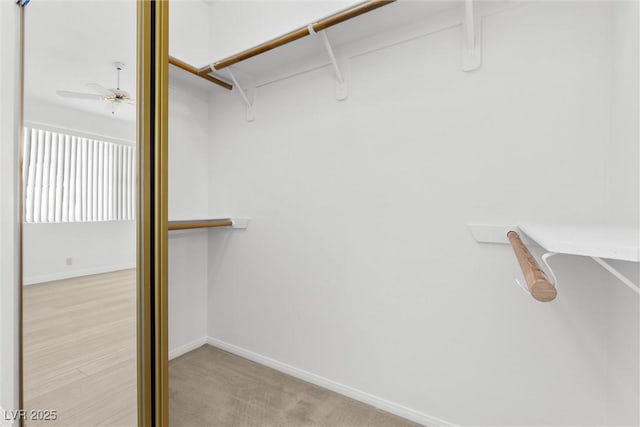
column 544, row 258
column 472, row 52
column 617, row 274
column 341, row 85
column 251, row 105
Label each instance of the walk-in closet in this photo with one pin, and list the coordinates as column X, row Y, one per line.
column 335, row 213
column 427, row 209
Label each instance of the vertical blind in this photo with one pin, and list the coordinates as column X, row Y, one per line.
column 69, row 178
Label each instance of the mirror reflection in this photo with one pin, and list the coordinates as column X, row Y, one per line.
column 79, row 248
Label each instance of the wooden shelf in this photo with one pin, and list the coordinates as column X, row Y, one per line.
column 610, row 242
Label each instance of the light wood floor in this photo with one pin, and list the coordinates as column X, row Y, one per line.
column 80, row 349
column 79, row 358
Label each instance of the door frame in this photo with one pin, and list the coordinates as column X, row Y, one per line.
column 151, row 217
column 11, row 43
column 152, row 225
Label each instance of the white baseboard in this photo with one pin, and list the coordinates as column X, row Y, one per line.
column 4, row 422
column 61, row 275
column 375, row 401
column 186, row 348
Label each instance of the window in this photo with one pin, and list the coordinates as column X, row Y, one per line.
column 68, row 178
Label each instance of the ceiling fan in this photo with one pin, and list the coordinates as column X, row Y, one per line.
column 113, row 97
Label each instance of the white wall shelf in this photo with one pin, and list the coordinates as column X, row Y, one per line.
column 598, row 242
column 619, row 243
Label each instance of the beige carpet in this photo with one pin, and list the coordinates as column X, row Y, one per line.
column 210, row 387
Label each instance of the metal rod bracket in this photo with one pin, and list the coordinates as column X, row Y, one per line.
column 611, row 269
column 547, row 269
column 544, row 257
column 472, row 51
column 251, row 105
column 342, row 90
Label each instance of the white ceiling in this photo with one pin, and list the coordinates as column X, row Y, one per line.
column 71, row 43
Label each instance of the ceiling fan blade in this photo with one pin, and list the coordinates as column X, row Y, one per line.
column 131, row 101
column 99, row 88
column 79, row 95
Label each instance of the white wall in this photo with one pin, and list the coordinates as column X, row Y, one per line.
column 39, row 111
column 94, row 247
column 624, row 149
column 10, row 113
column 358, row 266
column 188, row 199
column 623, row 397
column 189, row 31
column 624, row 352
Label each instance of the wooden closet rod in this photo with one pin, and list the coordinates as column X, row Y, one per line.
column 537, row 282
column 297, row 34
column 204, row 223
column 193, row 70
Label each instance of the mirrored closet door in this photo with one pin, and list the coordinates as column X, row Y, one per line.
column 79, row 220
